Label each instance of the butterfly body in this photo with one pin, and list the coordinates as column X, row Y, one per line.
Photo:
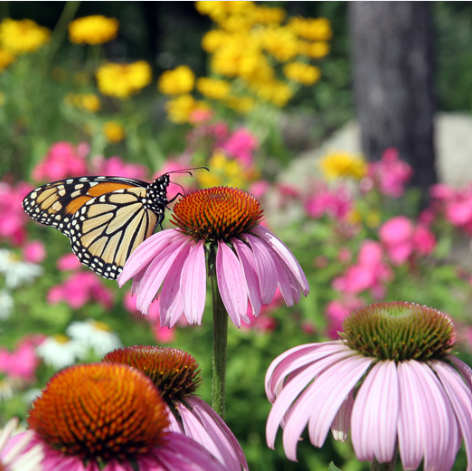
column 105, row 218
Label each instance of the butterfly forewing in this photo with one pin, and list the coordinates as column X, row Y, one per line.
column 105, row 218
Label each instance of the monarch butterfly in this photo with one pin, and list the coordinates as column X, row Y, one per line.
column 105, row 218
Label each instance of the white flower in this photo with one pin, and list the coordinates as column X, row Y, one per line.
column 6, row 304
column 94, row 335
column 59, row 351
column 12, row 457
column 17, row 272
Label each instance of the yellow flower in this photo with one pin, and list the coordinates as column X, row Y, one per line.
column 267, row 15
column 275, row 91
column 213, row 40
column 343, row 164
column 180, row 109
column 213, row 88
column 95, row 29
column 123, row 80
column 20, row 36
column 113, row 131
column 223, row 171
column 6, row 58
column 280, row 42
column 315, row 29
column 316, row 50
column 302, row 73
column 177, row 82
column 88, row 101
column 218, row 11
column 243, row 104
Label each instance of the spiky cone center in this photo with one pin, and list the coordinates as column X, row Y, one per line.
column 218, row 213
column 174, row 372
column 399, row 331
column 100, row 411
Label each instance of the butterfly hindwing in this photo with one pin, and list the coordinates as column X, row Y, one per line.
column 107, row 229
column 105, row 218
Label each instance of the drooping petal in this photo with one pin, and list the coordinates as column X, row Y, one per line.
column 299, row 357
column 246, row 258
column 461, row 400
column 193, row 284
column 145, row 253
column 265, row 266
column 180, row 453
column 425, row 428
column 375, row 414
column 171, row 305
column 156, row 272
column 319, row 403
column 206, row 427
column 284, row 253
column 342, row 422
column 231, row 283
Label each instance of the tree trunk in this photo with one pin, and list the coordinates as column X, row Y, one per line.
column 393, row 82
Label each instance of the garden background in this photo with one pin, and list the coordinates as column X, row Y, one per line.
column 263, row 87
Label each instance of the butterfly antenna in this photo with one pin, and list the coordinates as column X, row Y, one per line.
column 189, row 170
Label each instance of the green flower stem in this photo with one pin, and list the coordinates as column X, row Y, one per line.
column 220, row 342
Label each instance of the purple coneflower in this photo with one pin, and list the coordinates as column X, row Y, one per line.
column 175, row 374
column 110, row 417
column 12, row 450
column 250, row 262
column 391, row 380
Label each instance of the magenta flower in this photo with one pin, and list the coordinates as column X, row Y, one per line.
column 223, row 225
column 391, row 381
column 390, row 175
column 109, row 417
column 176, row 376
column 20, row 363
column 336, row 203
column 79, row 289
column 12, row 217
column 34, row 251
column 62, row 160
column 116, row 166
column 241, row 145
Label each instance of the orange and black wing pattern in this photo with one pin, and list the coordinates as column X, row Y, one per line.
column 105, row 218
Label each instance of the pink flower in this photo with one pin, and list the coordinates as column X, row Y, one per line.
column 336, row 311
column 34, row 251
column 80, row 289
column 402, row 240
column 68, row 262
column 370, row 272
column 175, row 374
column 21, row 363
column 116, row 167
column 241, row 145
column 110, row 417
column 13, row 454
column 250, row 262
column 390, row 174
column 62, row 160
column 385, row 395
column 332, row 202
column 12, row 217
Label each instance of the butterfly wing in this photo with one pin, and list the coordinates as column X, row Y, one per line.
column 107, row 229
column 55, row 204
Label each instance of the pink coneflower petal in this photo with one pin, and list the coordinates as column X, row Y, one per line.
column 284, row 253
column 248, row 264
column 171, row 305
column 265, row 266
column 182, row 454
column 342, row 422
column 461, row 401
column 295, row 358
column 205, row 426
column 156, row 272
column 145, row 254
column 231, row 283
column 375, row 414
column 425, row 428
column 193, row 284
